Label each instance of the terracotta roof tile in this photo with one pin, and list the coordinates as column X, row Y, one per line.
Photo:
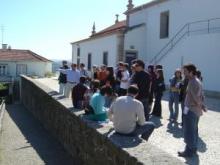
column 20, row 55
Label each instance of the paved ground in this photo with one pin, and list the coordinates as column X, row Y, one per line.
column 168, row 137
column 23, row 141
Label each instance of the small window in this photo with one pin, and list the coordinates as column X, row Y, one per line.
column 89, row 61
column 21, row 69
column 3, row 69
column 78, row 52
column 105, row 58
column 164, row 24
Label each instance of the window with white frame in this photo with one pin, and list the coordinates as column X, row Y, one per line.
column 3, row 69
column 21, row 69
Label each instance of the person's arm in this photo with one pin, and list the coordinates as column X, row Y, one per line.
column 140, row 114
column 64, row 71
column 110, row 112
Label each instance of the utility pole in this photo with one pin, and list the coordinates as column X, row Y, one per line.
column 2, row 30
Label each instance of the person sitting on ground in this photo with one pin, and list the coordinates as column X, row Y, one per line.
column 97, row 103
column 127, row 114
column 78, row 93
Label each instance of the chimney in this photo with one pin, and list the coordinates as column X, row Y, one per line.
column 116, row 20
column 4, row 46
column 93, row 29
column 130, row 5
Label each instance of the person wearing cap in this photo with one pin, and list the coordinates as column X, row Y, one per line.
column 142, row 80
column 62, row 78
column 175, row 85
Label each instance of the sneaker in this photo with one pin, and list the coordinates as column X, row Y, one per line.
column 185, row 154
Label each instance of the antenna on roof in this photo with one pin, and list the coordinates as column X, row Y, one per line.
column 2, row 30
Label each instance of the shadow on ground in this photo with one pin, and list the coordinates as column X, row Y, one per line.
column 49, row 149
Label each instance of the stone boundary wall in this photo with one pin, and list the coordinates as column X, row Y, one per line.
column 87, row 142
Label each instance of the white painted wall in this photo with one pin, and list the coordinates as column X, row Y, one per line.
column 137, row 38
column 181, row 12
column 204, row 54
column 96, row 47
column 33, row 68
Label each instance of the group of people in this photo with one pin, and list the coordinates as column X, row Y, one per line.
column 125, row 95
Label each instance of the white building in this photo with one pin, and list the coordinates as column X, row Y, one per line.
column 172, row 33
column 14, row 62
column 104, row 47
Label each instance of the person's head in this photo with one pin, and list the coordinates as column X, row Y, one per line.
column 110, row 71
column 82, row 79
column 133, row 90
column 120, row 65
column 159, row 73
column 189, row 70
column 103, row 67
column 139, row 65
column 150, row 68
column 133, row 68
column 74, row 66
column 106, row 91
column 64, row 62
column 199, row 74
column 125, row 66
column 82, row 65
column 94, row 67
column 178, row 73
column 159, row 66
column 95, row 85
column 133, row 61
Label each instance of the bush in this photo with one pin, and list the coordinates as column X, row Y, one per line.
column 3, row 87
column 49, row 74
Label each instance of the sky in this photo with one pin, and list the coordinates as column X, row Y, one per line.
column 47, row 27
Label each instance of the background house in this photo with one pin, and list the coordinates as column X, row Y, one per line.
column 14, row 62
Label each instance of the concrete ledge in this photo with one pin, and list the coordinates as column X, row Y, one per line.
column 90, row 142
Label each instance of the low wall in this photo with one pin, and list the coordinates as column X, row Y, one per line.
column 87, row 141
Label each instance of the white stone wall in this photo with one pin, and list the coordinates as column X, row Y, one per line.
column 96, row 47
column 136, row 38
column 181, row 12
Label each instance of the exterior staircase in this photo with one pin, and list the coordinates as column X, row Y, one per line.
column 189, row 29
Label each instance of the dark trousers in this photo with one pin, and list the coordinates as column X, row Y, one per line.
column 190, row 131
column 157, row 105
column 146, row 108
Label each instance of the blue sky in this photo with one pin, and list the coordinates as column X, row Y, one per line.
column 48, row 26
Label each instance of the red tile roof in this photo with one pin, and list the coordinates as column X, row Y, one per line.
column 117, row 27
column 20, row 55
column 111, row 29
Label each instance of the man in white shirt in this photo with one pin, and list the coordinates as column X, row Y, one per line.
column 124, row 83
column 127, row 114
column 72, row 76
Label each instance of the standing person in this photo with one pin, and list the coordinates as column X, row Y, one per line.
column 151, row 71
column 158, row 90
column 78, row 93
column 127, row 115
column 73, row 76
column 83, row 71
column 174, row 93
column 118, row 76
column 142, row 80
column 102, row 75
column 193, row 109
column 62, row 78
column 124, row 83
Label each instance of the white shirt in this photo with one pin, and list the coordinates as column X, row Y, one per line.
column 72, row 76
column 125, row 113
column 125, row 77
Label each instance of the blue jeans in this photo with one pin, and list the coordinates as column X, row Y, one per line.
column 190, row 131
column 174, row 99
column 146, row 108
